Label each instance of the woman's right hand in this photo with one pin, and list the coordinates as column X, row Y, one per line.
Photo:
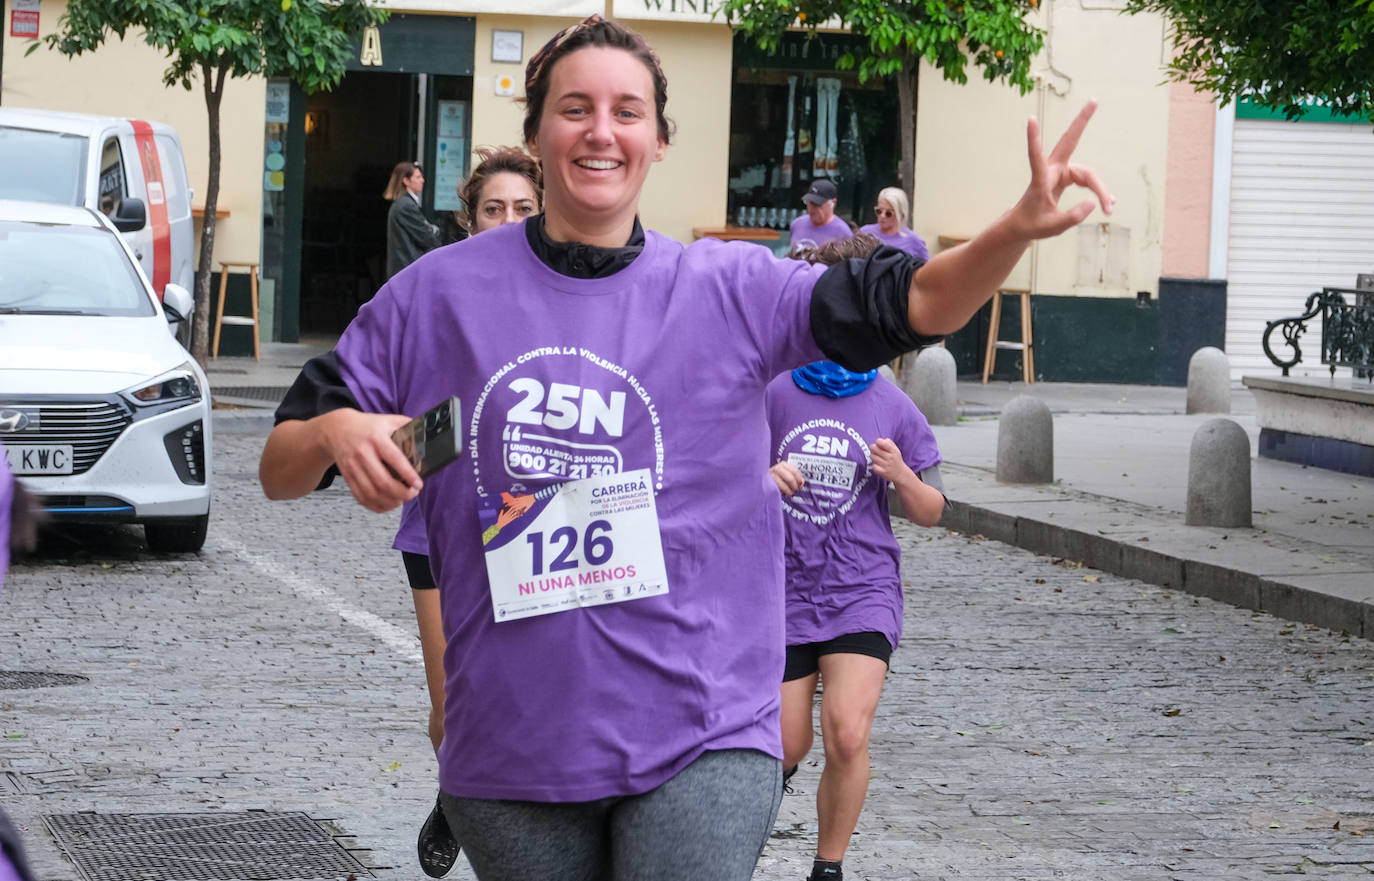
column 787, row 477
column 379, row 475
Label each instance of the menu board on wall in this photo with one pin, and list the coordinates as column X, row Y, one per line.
column 450, row 154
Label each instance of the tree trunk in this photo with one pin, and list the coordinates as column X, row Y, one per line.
column 200, row 327
column 906, row 121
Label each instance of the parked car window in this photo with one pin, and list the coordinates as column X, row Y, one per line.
column 173, row 178
column 113, row 186
column 42, row 166
column 61, row 269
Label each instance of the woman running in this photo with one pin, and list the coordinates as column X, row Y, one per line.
column 609, row 548
column 503, row 188
column 840, row 439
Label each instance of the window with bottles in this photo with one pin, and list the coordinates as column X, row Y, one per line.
column 794, row 118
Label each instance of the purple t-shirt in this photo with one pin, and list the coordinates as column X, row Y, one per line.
column 6, row 500
column 806, row 234
column 843, row 563
column 904, row 240
column 410, row 536
column 661, row 366
column 8, row 871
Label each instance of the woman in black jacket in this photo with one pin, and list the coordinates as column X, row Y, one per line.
column 408, row 233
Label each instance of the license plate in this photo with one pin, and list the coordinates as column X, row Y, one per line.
column 39, row 458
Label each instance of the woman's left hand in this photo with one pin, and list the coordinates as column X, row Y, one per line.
column 1037, row 215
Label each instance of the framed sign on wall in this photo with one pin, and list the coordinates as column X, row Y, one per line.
column 507, row 46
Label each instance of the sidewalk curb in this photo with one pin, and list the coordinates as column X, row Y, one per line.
column 1344, row 603
column 248, row 419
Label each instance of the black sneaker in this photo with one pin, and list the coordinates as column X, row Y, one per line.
column 437, row 847
column 829, row 873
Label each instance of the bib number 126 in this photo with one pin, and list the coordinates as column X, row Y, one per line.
column 595, row 541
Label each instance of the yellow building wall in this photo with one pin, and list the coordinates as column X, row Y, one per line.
column 498, row 120
column 971, row 161
column 124, row 78
column 688, row 188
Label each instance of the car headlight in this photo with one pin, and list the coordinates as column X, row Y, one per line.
column 176, row 387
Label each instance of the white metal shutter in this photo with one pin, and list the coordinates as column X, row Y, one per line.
column 1301, row 218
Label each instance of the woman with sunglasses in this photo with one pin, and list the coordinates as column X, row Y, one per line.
column 891, row 229
column 609, row 548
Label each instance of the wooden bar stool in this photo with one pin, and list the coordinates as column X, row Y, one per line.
column 1025, row 344
column 241, row 320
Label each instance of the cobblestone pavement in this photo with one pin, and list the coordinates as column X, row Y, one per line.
column 1041, row 721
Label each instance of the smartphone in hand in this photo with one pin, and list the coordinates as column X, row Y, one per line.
column 430, row 441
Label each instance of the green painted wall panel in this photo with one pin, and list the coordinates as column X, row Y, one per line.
column 1103, row 339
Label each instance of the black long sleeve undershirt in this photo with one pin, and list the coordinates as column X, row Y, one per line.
column 859, row 312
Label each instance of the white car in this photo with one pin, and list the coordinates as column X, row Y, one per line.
column 103, row 415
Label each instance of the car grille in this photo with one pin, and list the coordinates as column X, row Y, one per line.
column 89, row 427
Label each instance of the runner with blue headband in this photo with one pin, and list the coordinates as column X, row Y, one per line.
column 839, row 440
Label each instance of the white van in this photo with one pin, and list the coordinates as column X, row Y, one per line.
column 131, row 170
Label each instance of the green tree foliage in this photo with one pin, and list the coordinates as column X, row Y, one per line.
column 1284, row 54
column 897, row 34
column 308, row 41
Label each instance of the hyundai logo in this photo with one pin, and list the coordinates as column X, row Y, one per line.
column 16, row 420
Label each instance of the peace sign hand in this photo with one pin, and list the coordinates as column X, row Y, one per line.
column 1037, row 215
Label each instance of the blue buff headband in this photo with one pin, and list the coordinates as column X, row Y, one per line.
column 830, row 379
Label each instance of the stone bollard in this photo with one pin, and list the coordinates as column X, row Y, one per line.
column 1025, row 442
column 1219, row 475
column 931, row 382
column 1209, row 381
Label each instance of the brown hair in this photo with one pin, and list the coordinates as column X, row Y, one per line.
column 599, row 32
column 835, row 250
column 396, row 187
column 492, row 161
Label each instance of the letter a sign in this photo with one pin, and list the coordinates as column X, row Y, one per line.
column 372, row 47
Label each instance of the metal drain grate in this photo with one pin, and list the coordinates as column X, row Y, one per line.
column 14, row 679
column 252, row 392
column 201, row 847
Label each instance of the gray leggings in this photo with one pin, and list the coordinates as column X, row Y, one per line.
column 710, row 821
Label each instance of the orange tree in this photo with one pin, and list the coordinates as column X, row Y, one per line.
column 1284, row 54
column 895, row 35
column 308, row 41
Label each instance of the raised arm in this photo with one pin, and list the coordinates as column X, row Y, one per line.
column 948, row 290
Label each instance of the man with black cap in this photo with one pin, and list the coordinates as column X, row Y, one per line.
column 819, row 224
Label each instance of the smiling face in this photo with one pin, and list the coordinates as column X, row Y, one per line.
column 887, row 217
column 506, row 197
column 597, row 138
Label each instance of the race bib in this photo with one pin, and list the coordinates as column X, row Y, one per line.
column 581, row 543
